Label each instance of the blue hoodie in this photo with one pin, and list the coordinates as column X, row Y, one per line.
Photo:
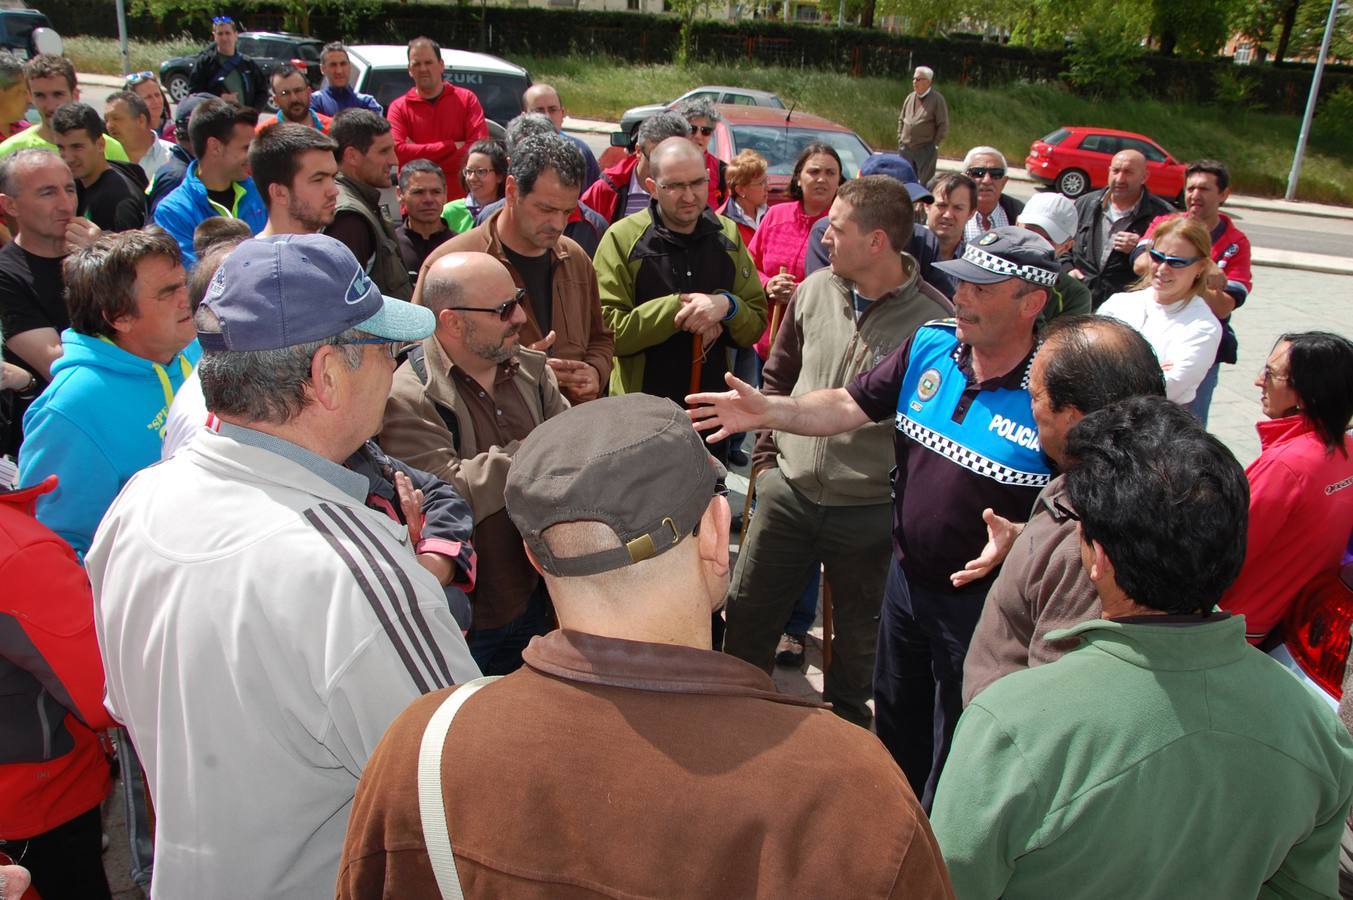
column 98, row 423
column 187, row 206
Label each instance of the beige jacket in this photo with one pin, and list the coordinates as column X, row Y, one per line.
column 416, row 433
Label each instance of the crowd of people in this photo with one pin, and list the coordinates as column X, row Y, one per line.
column 298, row 479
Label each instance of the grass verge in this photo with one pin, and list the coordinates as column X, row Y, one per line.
column 1257, row 146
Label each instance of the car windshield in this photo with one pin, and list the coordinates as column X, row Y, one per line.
column 500, row 95
column 1056, row 137
column 781, row 145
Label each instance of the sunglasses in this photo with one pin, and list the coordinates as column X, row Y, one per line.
column 1174, row 262
column 977, row 173
column 706, row 130
column 138, row 77
column 504, row 309
column 222, row 20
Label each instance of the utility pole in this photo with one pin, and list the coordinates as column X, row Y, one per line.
column 1310, row 103
column 122, row 38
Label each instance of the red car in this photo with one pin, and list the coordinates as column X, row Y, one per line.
column 1075, row 160
column 777, row 134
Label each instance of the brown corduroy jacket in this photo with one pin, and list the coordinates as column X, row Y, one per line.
column 612, row 768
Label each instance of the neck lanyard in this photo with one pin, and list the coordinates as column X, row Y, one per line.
column 184, row 366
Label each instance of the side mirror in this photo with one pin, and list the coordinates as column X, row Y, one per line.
column 46, row 40
column 620, row 139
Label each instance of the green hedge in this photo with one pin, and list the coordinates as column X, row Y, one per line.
column 645, row 38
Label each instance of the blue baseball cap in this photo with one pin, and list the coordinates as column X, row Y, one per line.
column 895, row 166
column 291, row 289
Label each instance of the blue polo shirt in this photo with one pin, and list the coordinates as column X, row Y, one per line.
column 961, row 446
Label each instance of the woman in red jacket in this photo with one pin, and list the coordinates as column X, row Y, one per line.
column 781, row 240
column 1301, row 486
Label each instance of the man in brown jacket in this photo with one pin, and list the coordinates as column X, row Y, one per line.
column 827, row 499
column 1085, row 363
column 527, row 236
column 458, row 408
column 626, row 759
column 922, row 124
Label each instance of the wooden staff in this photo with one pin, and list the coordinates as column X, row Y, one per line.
column 697, row 362
column 826, row 623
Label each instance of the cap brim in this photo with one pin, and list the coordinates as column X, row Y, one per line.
column 919, row 192
column 399, row 320
column 971, row 272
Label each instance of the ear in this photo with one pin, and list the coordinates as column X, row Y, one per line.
column 278, row 193
column 1033, row 302
column 123, row 324
column 101, row 145
column 448, row 322
column 510, row 189
column 1101, row 567
column 713, row 537
column 531, row 558
column 650, row 185
column 8, row 206
column 328, row 377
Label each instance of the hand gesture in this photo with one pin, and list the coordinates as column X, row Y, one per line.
column 80, row 233
column 577, row 379
column 744, row 408
column 700, row 312
column 1125, row 241
column 545, row 343
column 781, row 287
column 411, row 502
column 1001, row 534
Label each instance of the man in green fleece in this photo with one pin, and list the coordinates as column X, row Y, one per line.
column 1164, row 756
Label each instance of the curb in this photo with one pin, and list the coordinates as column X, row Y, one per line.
column 1304, row 262
column 112, row 81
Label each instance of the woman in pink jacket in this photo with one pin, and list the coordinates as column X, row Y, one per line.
column 781, row 240
column 1301, row 486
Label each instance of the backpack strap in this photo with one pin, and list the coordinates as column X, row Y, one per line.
column 431, row 806
column 418, row 362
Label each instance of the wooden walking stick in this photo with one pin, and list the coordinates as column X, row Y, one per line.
column 747, row 504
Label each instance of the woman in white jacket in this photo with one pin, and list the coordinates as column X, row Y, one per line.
column 1168, row 310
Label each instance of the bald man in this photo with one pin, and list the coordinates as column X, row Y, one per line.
column 459, row 406
column 678, row 287
column 544, row 99
column 1109, row 223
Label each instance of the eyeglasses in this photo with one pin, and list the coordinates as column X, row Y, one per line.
column 1174, row 262
column 392, row 347
column 977, row 173
column 137, row 77
column 706, row 130
column 1065, row 510
column 504, row 309
column 681, row 187
column 720, row 490
column 1271, row 376
column 475, row 173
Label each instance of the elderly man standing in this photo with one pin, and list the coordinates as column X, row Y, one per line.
column 1161, row 710
column 987, row 167
column 269, row 699
column 436, row 120
column 922, row 124
column 459, row 409
column 965, row 440
column 827, row 499
column 527, row 236
column 622, row 189
column 606, row 732
column 1084, row 364
column 1109, row 224
column 677, row 284
column 544, row 99
column 130, row 345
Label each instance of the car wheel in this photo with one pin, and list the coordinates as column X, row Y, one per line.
column 1072, row 182
column 177, row 86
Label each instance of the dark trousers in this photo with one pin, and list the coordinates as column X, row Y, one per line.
column 497, row 651
column 66, row 862
column 918, row 675
column 779, row 554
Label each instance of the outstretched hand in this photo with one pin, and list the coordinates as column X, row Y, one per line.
column 1001, row 534
column 744, row 408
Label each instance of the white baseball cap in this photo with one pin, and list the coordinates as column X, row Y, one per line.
column 1053, row 213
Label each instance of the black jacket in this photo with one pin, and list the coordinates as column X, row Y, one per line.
column 1115, row 274
column 210, row 69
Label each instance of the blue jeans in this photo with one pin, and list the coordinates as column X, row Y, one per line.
column 918, row 675
column 1202, row 400
column 805, row 610
column 497, row 651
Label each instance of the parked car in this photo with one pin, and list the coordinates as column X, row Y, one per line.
column 270, row 49
column 382, row 70
column 1075, row 160
column 1315, row 634
column 27, row 32
column 718, row 93
column 777, row 134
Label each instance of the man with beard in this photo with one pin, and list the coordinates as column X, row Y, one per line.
column 294, row 171
column 459, row 408
column 291, row 96
column 365, row 153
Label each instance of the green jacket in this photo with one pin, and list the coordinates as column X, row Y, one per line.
column 1153, row 761
column 1069, row 297
column 642, row 268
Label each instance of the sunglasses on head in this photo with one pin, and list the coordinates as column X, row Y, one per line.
column 977, row 173
column 137, row 77
column 1174, row 262
column 706, row 130
column 222, row 20
column 504, row 309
